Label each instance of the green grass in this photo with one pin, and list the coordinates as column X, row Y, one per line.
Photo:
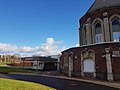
column 14, row 70
column 3, row 64
column 6, row 69
column 7, row 84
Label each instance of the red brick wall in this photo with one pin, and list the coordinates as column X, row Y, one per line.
column 99, row 13
column 100, row 60
column 19, row 62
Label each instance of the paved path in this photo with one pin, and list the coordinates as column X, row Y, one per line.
column 59, row 84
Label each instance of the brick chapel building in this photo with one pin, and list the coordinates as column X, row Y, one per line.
column 98, row 55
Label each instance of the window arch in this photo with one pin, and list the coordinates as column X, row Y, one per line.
column 88, row 62
column 98, row 33
column 116, row 30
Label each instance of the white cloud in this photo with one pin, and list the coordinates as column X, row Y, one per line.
column 77, row 45
column 26, row 49
column 50, row 41
column 50, row 47
column 7, row 48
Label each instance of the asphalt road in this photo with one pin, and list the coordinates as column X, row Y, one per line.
column 59, row 84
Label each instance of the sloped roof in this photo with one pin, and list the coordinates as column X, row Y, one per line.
column 40, row 59
column 99, row 4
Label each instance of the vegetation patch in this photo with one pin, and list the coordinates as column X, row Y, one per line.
column 8, row 84
column 3, row 64
column 13, row 70
column 6, row 69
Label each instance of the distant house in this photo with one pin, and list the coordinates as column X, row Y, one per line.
column 17, row 61
column 37, row 63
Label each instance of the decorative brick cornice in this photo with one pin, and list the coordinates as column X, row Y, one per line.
column 99, row 14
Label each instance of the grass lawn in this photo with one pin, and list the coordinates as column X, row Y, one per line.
column 3, row 64
column 5, row 69
column 7, row 84
column 13, row 70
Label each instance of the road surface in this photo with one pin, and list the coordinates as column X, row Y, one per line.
column 59, row 84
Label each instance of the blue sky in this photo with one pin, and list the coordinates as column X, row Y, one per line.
column 32, row 23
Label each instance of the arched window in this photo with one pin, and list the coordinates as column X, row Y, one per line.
column 98, row 33
column 116, row 30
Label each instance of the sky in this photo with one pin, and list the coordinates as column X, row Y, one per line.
column 40, row 27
